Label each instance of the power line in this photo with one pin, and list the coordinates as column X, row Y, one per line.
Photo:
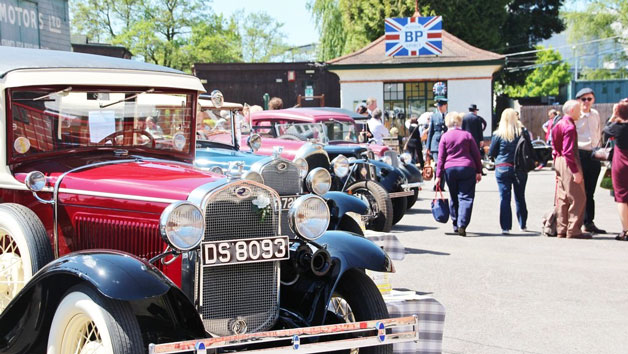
column 564, row 46
column 534, row 66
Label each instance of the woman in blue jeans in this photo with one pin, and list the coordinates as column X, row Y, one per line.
column 503, row 151
column 459, row 162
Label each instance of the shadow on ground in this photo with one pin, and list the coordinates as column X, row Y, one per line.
column 418, row 211
column 420, row 251
column 400, row 228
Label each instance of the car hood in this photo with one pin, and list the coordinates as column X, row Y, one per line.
column 210, row 157
column 289, row 152
column 379, row 150
column 354, row 150
column 148, row 178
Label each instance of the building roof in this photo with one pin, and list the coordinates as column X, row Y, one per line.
column 456, row 52
column 26, row 58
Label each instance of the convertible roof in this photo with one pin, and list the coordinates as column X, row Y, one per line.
column 26, row 58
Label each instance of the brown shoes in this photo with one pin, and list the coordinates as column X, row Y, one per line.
column 584, row 235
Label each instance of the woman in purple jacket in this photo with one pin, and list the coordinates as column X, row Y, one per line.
column 459, row 159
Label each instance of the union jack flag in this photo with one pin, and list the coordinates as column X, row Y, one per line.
column 414, row 36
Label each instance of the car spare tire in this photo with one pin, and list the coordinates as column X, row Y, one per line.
column 379, row 204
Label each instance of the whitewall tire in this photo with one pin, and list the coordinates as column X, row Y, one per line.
column 87, row 322
column 24, row 249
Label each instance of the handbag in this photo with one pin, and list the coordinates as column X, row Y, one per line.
column 440, row 207
column 607, row 179
column 602, row 153
column 428, row 170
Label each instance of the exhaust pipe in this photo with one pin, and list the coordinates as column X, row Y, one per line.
column 321, row 262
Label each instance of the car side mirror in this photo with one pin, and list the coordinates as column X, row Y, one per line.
column 35, row 182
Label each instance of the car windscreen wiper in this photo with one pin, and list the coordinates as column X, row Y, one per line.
column 63, row 92
column 127, row 98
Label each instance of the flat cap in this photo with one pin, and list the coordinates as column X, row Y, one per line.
column 584, row 91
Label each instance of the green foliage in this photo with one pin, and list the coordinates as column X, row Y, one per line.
column 600, row 19
column 333, row 35
column 545, row 80
column 262, row 38
column 165, row 32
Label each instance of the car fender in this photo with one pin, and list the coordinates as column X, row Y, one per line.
column 340, row 203
column 162, row 310
column 309, row 296
column 391, row 179
column 412, row 173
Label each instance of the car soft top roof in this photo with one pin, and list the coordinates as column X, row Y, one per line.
column 26, row 58
column 350, row 113
column 301, row 115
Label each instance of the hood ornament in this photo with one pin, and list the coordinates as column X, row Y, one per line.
column 235, row 170
column 277, row 150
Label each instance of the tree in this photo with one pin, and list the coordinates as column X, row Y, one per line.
column 601, row 19
column 333, row 35
column 262, row 38
column 173, row 33
column 550, row 72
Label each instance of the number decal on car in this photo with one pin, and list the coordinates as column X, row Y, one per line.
column 245, row 251
column 287, row 201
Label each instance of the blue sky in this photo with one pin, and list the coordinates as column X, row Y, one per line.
column 298, row 25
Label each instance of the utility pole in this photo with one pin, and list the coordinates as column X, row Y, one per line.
column 575, row 71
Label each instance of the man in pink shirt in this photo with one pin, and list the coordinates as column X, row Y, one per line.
column 570, row 195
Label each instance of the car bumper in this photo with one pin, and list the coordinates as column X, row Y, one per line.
column 375, row 332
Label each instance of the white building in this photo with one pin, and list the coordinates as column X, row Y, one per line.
column 404, row 84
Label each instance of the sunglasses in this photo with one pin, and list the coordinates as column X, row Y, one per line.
column 584, row 99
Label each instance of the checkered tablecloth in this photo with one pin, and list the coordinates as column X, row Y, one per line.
column 431, row 315
column 389, row 242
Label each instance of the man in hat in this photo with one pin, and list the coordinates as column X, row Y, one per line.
column 589, row 129
column 436, row 130
column 472, row 123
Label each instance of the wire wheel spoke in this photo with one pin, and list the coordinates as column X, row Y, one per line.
column 88, row 340
column 11, row 269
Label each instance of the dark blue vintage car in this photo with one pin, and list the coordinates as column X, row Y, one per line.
column 217, row 148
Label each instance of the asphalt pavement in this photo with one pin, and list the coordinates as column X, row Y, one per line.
column 523, row 292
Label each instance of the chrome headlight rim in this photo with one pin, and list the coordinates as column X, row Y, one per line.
column 253, row 176
column 340, row 164
column 386, row 159
column 405, row 157
column 164, row 223
column 293, row 213
column 314, row 185
column 254, row 141
column 303, row 167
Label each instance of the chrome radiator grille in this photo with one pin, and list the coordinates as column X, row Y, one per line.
column 248, row 292
column 282, row 176
column 318, row 160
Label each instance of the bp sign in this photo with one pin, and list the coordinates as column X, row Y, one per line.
column 414, row 36
column 35, row 24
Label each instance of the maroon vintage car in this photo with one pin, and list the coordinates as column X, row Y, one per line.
column 111, row 242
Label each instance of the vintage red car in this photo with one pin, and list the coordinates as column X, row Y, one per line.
column 111, row 242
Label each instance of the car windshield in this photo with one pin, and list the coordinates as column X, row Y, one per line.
column 341, row 131
column 57, row 119
column 217, row 125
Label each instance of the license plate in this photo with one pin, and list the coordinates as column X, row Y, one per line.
column 245, row 251
column 287, row 201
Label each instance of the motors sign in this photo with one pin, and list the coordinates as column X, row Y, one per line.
column 414, row 36
column 35, row 24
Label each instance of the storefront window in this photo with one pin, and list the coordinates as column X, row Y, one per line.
column 407, row 98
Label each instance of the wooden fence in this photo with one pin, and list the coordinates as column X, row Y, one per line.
column 533, row 117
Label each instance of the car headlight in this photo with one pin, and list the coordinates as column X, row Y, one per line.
column 318, row 181
column 217, row 169
column 406, row 157
column 386, row 159
column 254, row 141
column 309, row 217
column 340, row 165
column 302, row 166
column 182, row 225
column 253, row 176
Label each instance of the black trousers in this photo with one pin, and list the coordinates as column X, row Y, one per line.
column 417, row 154
column 590, row 172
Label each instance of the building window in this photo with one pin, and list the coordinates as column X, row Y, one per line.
column 403, row 99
